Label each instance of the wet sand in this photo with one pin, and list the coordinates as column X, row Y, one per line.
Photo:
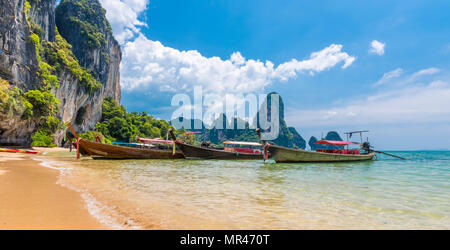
column 31, row 198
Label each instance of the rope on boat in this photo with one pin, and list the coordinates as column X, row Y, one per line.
column 78, row 148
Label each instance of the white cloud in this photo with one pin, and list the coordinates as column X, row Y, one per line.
column 149, row 63
column 388, row 76
column 415, row 103
column 123, row 16
column 397, row 78
column 318, row 61
column 237, row 59
column 428, row 71
column 377, row 47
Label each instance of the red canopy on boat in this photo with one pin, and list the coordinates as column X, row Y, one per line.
column 326, row 142
column 155, row 141
column 191, row 133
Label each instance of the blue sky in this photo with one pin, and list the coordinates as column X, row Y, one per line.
column 399, row 88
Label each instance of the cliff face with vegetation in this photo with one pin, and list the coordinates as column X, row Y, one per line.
column 43, row 83
column 84, row 25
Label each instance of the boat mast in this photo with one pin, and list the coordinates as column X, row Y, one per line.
column 349, row 134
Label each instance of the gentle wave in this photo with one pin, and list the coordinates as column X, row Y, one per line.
column 103, row 213
column 195, row 194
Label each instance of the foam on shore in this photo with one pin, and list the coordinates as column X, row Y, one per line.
column 104, row 214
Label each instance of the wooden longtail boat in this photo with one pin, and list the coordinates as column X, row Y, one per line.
column 191, row 151
column 283, row 154
column 289, row 155
column 99, row 150
column 11, row 150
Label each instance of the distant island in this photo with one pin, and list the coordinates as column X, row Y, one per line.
column 288, row 136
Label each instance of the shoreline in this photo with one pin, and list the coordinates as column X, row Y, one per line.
column 52, row 190
column 33, row 198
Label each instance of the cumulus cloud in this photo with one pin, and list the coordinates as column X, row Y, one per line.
column 149, row 63
column 318, row 61
column 377, row 47
column 123, row 16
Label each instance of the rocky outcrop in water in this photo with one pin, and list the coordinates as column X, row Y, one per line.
column 288, row 136
column 29, row 55
column 297, row 139
column 331, row 136
column 312, row 142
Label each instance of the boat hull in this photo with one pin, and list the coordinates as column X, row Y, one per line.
column 288, row 155
column 191, row 151
column 105, row 151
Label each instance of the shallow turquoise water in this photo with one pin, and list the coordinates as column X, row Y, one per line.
column 193, row 194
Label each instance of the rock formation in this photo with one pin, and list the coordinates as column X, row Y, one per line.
column 288, row 136
column 33, row 57
column 312, row 142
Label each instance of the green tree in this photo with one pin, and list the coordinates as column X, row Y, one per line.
column 118, row 125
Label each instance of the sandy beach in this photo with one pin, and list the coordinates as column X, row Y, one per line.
column 32, row 199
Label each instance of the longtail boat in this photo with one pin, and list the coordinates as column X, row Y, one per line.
column 283, row 154
column 231, row 151
column 11, row 150
column 334, row 153
column 99, row 150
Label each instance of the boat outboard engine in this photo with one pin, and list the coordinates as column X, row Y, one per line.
column 366, row 146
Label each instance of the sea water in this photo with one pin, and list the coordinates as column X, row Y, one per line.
column 387, row 193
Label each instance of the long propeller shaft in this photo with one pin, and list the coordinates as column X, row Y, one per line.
column 390, row 155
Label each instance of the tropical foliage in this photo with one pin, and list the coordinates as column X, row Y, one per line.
column 118, row 125
column 59, row 55
column 93, row 135
column 43, row 139
column 40, row 103
column 12, row 101
column 87, row 23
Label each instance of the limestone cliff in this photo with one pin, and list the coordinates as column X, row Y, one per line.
column 36, row 61
column 18, row 66
column 331, row 136
column 84, row 25
column 297, row 139
column 288, row 136
column 312, row 143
